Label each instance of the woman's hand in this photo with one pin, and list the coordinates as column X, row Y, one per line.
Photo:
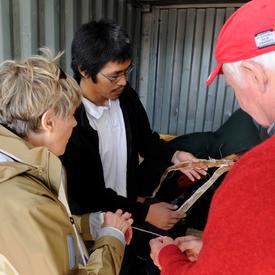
column 121, row 221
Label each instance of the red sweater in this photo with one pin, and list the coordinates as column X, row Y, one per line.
column 239, row 237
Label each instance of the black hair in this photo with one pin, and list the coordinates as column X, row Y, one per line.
column 97, row 43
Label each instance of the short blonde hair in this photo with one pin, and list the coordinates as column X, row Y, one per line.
column 30, row 87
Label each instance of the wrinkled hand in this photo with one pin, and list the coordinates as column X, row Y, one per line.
column 190, row 245
column 191, row 172
column 156, row 245
column 163, row 215
column 121, row 221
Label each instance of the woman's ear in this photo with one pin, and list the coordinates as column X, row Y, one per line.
column 48, row 121
column 255, row 74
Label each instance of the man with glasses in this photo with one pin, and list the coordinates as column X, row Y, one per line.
column 102, row 156
column 115, row 79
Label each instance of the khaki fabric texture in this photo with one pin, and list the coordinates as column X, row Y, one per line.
column 5, row 267
column 34, row 223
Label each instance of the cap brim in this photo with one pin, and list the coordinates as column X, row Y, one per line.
column 214, row 73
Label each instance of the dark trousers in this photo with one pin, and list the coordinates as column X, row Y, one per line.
column 137, row 259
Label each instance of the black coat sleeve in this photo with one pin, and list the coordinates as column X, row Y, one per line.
column 147, row 141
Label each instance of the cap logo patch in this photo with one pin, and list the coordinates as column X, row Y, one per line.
column 265, row 39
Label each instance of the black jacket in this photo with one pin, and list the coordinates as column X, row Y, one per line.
column 86, row 187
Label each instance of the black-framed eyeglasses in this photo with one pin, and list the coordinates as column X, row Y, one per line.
column 117, row 78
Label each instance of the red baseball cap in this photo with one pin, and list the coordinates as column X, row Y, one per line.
column 249, row 32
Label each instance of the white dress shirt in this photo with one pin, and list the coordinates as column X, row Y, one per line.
column 109, row 123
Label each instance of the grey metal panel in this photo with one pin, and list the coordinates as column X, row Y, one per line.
column 186, row 70
column 177, row 71
column 121, row 12
column 176, row 43
column 150, row 107
column 84, row 11
column 195, row 71
column 212, row 91
column 51, row 21
column 26, row 25
column 129, row 23
column 204, row 70
column 112, row 9
column 166, row 53
column 161, row 64
column 99, row 9
column 5, row 30
column 69, row 27
column 15, row 29
column 144, row 57
column 181, row 56
column 134, row 20
column 168, row 73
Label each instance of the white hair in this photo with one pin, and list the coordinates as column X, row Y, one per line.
column 267, row 60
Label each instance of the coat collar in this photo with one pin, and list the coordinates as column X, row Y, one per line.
column 37, row 162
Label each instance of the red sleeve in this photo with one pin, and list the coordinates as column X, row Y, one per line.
column 172, row 260
column 239, row 235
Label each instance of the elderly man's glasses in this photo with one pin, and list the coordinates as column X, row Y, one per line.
column 114, row 79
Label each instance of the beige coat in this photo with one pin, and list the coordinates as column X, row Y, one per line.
column 5, row 267
column 36, row 234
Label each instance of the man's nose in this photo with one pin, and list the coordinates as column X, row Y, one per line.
column 122, row 81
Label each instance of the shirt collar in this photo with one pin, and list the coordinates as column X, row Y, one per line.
column 95, row 110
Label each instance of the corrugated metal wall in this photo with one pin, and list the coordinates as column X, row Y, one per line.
column 26, row 25
column 173, row 49
column 176, row 59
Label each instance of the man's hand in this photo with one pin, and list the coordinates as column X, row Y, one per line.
column 156, row 245
column 163, row 215
column 190, row 245
column 121, row 221
column 190, row 172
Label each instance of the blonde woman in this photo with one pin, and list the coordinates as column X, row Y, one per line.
column 37, row 233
